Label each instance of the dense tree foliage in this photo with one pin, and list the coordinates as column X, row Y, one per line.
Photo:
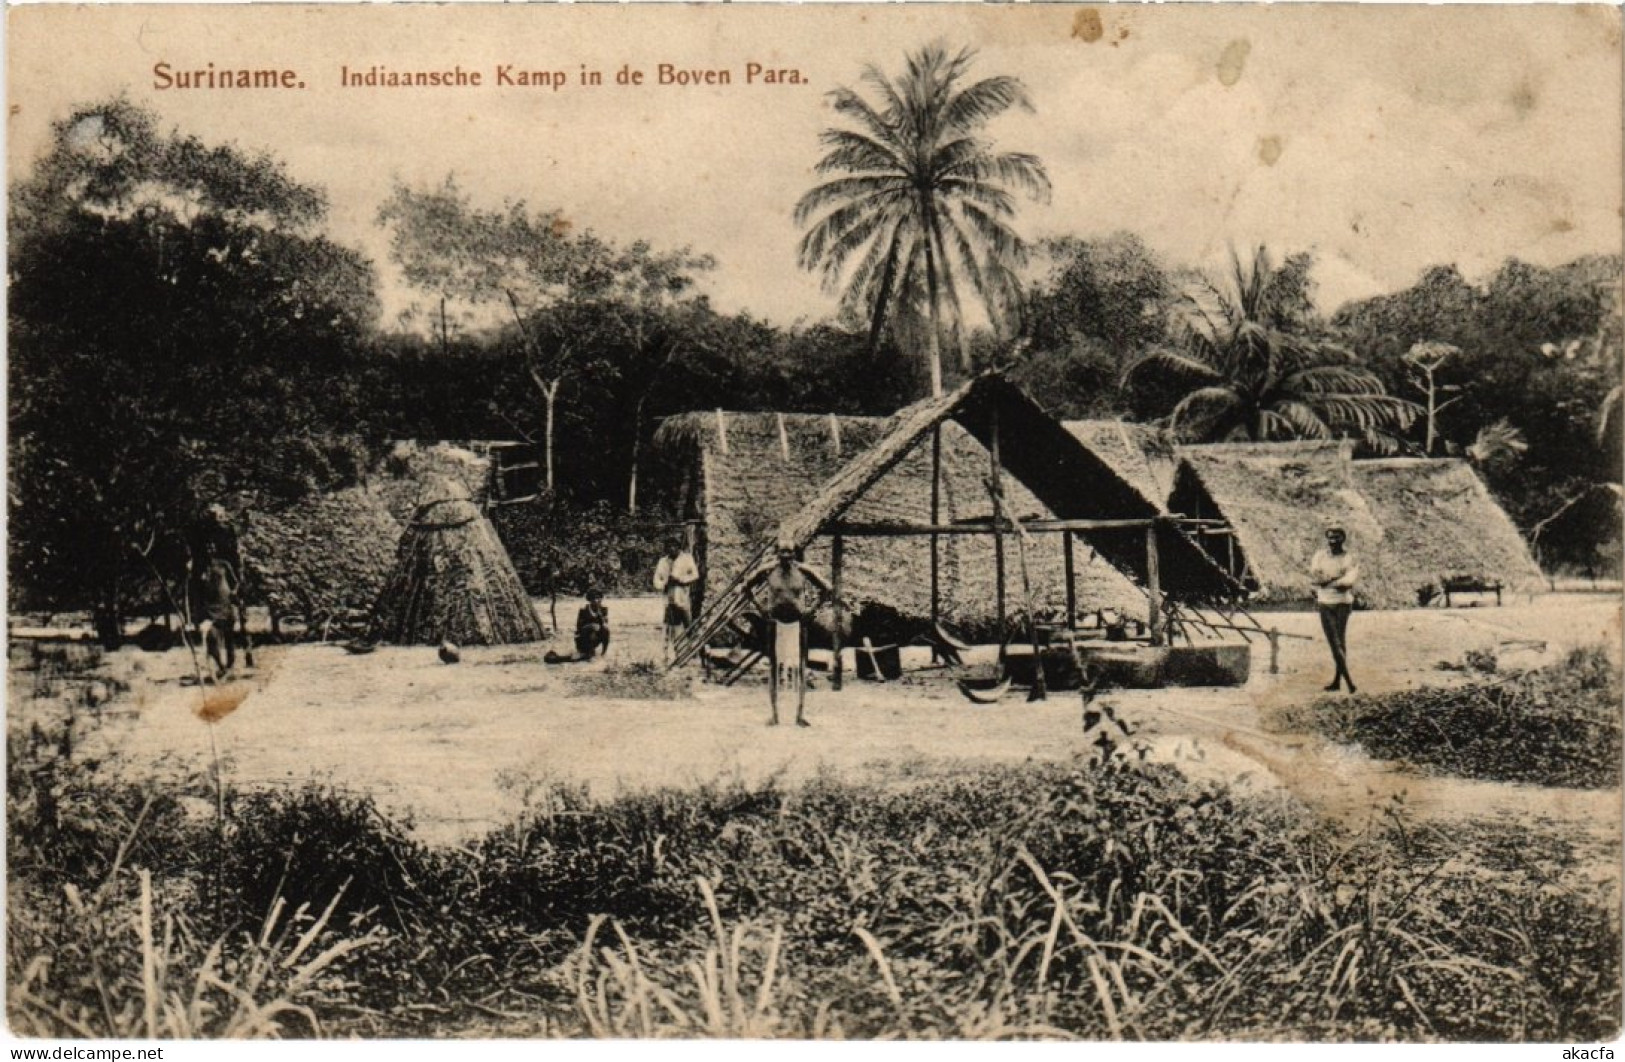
column 1539, row 351
column 180, row 334
column 1261, row 367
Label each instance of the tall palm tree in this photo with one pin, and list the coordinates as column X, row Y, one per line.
column 917, row 202
column 1259, row 373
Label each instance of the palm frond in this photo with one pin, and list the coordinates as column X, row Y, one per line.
column 869, row 187
column 978, row 104
column 850, row 151
column 1179, row 360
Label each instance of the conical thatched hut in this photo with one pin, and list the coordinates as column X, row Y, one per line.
column 453, row 581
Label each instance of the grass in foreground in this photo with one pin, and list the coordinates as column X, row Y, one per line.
column 1091, row 900
column 1557, row 726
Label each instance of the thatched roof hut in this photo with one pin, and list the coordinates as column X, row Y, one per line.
column 1278, row 500
column 1412, row 522
column 323, row 556
column 409, row 466
column 740, row 474
column 1440, row 521
column 453, row 581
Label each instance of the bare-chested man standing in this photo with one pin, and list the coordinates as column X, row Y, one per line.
column 787, row 584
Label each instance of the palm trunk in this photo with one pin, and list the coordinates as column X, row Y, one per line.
column 933, row 339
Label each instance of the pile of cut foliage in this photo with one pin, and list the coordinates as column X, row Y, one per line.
column 1556, row 725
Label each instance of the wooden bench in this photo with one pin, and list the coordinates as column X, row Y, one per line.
column 1469, row 584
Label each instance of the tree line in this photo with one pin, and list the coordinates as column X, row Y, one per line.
column 184, row 332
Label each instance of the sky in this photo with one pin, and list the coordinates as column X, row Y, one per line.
column 1385, row 139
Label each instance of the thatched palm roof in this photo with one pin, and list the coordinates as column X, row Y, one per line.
column 1143, row 455
column 1411, row 522
column 1441, row 521
column 453, row 581
column 744, row 473
column 325, row 554
column 1278, row 502
column 410, row 464
column 1040, row 454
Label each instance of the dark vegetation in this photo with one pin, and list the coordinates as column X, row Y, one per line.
column 1094, row 899
column 183, row 333
column 1558, row 725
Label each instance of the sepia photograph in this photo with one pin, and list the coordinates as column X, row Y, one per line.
column 866, row 522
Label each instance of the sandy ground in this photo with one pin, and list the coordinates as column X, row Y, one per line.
column 461, row 748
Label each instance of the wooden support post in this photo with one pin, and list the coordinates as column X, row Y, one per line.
column 997, row 483
column 1153, row 584
column 1275, row 650
column 936, row 542
column 837, row 552
column 1071, row 583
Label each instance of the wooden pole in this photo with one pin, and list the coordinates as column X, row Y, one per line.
column 936, row 518
column 997, row 483
column 837, row 552
column 1071, row 583
column 1153, row 580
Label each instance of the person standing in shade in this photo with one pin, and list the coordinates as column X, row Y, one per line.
column 218, row 612
column 1334, row 571
column 675, row 577
column 787, row 583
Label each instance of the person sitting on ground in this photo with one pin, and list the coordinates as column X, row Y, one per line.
column 1334, row 571
column 592, row 627
column 787, row 583
column 675, row 577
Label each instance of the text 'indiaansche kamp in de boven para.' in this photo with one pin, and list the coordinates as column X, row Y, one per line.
column 166, row 76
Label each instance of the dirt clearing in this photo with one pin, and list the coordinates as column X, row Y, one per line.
column 457, row 748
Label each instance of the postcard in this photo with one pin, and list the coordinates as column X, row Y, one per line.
column 813, row 522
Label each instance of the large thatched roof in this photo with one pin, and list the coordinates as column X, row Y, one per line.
column 744, row 473
column 452, row 580
column 1278, row 502
column 1412, row 522
column 1040, row 454
column 325, row 554
column 1440, row 521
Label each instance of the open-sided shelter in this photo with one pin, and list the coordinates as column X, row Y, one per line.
column 734, row 476
column 1086, row 500
column 453, row 581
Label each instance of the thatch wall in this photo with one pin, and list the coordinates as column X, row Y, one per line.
column 1440, row 521
column 452, row 580
column 325, row 554
column 747, row 473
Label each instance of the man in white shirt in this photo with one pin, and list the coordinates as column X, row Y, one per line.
column 675, row 577
column 1334, row 571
